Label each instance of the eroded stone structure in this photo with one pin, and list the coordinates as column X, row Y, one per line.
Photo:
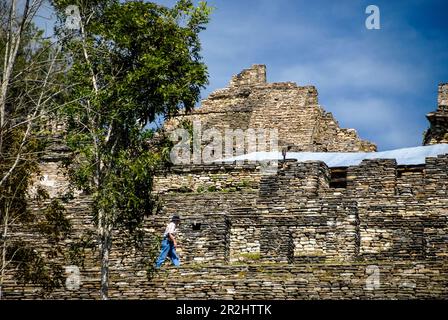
column 438, row 132
column 308, row 231
column 250, row 102
column 382, row 212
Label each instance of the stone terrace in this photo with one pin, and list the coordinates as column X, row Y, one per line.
column 376, row 230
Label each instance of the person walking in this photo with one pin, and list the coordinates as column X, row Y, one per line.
column 169, row 243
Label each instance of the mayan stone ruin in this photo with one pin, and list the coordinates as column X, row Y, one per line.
column 437, row 133
column 374, row 230
column 250, row 102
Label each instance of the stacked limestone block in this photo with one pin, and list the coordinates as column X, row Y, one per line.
column 379, row 232
column 438, row 131
column 250, row 102
column 303, row 239
column 387, row 280
column 295, row 216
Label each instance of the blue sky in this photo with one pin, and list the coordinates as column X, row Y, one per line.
column 380, row 82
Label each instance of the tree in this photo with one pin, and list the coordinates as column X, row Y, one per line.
column 29, row 66
column 131, row 62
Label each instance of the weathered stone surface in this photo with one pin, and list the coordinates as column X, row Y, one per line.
column 438, row 131
column 396, row 280
column 306, row 232
column 251, row 102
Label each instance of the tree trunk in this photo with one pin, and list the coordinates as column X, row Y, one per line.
column 105, row 232
column 4, row 248
column 105, row 251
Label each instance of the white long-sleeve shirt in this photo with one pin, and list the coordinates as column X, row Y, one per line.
column 170, row 228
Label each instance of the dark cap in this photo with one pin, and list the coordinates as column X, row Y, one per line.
column 175, row 218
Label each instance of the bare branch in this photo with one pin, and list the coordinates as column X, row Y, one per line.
column 28, row 129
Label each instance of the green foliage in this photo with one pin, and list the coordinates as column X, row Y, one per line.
column 152, row 248
column 200, row 189
column 183, row 189
column 128, row 189
column 244, row 184
column 32, row 267
column 251, row 256
column 21, row 95
column 20, row 148
column 43, row 268
column 132, row 62
column 146, row 63
column 79, row 247
column 29, row 72
column 187, row 125
column 212, row 189
column 55, row 224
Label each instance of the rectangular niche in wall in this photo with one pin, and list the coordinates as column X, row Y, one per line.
column 416, row 169
column 244, row 243
column 196, row 226
column 338, row 177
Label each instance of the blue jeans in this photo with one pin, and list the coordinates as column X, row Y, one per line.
column 167, row 250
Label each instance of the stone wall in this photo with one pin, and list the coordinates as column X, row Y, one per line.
column 387, row 216
column 201, row 178
column 442, row 99
column 384, row 215
column 375, row 230
column 385, row 212
column 251, row 102
column 384, row 280
column 438, row 131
